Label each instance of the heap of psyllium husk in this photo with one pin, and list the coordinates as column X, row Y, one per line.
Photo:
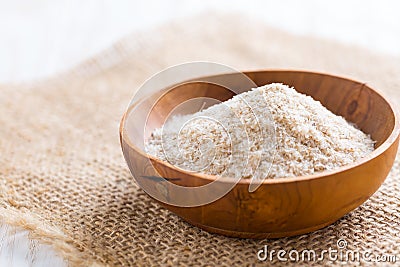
column 271, row 131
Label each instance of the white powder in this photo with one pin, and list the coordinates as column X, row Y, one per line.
column 271, row 131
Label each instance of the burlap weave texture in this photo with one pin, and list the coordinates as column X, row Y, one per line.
column 63, row 176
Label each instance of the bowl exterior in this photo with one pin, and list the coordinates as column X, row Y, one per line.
column 274, row 209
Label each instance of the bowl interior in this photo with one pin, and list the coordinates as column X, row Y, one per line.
column 355, row 101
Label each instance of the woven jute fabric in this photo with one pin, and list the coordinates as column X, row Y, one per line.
column 63, row 176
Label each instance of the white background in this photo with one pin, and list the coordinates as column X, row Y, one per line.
column 43, row 37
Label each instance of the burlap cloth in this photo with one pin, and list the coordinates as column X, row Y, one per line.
column 63, row 176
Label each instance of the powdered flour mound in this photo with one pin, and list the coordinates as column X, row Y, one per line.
column 271, row 131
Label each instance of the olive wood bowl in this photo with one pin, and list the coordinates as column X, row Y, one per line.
column 284, row 206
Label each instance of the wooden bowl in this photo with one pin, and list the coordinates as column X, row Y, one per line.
column 279, row 207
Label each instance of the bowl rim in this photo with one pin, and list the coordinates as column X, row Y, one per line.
column 390, row 140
